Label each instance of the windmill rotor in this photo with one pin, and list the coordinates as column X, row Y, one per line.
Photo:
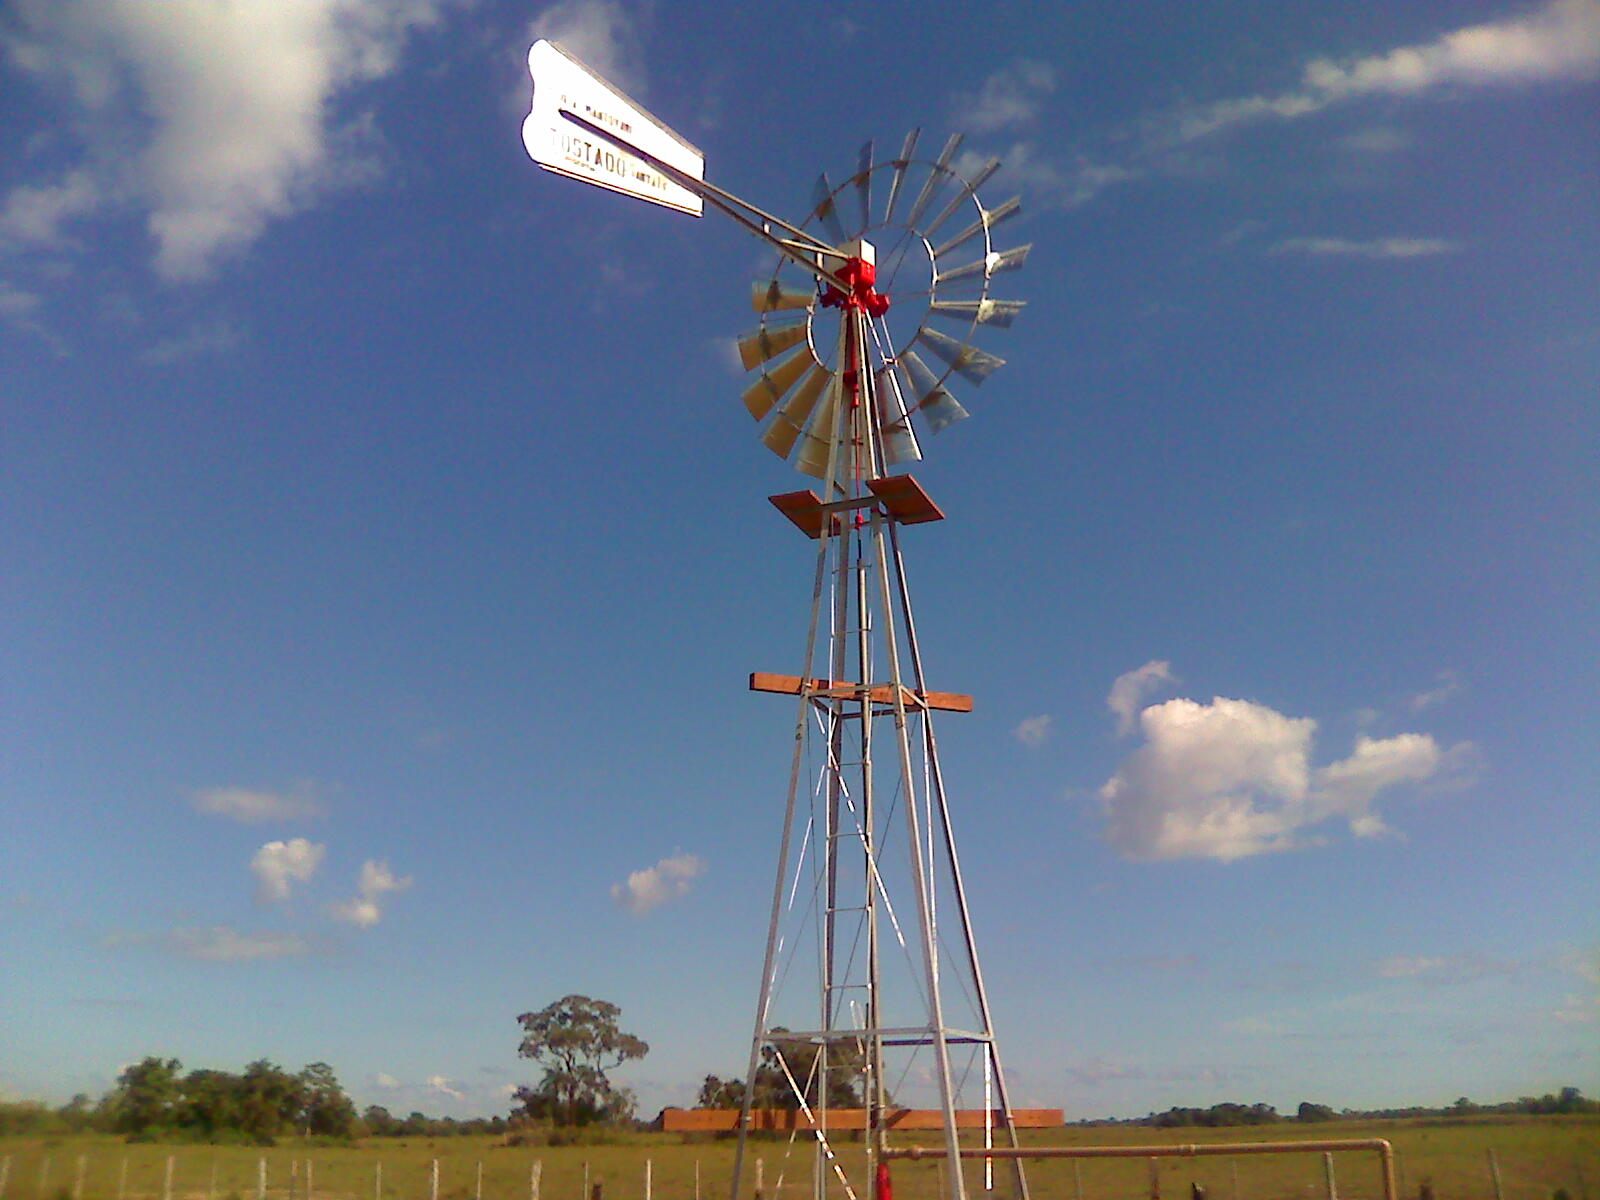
column 930, row 244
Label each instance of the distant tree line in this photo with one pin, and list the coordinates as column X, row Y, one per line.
column 155, row 1100
column 1569, row 1100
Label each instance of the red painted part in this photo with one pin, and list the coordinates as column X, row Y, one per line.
column 861, row 276
column 884, row 1189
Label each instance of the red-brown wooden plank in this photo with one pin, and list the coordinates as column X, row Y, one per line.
column 792, row 685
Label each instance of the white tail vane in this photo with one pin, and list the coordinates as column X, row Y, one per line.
column 928, row 266
column 564, row 85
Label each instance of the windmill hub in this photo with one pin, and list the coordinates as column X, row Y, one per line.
column 860, row 274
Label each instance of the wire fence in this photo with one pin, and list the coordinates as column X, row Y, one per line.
column 234, row 1173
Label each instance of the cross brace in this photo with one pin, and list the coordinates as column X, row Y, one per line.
column 794, row 685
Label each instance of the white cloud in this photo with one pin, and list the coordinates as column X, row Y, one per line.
column 251, row 806
column 222, row 944
column 1558, row 41
column 599, row 32
column 278, row 865
column 17, row 302
column 1045, row 181
column 1032, row 731
column 1578, row 1010
column 385, row 1081
column 366, row 909
column 1444, row 968
column 212, row 336
column 669, row 879
column 1383, row 247
column 1233, row 778
column 211, row 117
column 1130, row 689
column 35, row 213
column 1449, row 684
column 1379, row 139
column 1013, row 95
column 443, row 1086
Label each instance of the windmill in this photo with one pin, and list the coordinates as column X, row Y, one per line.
column 871, row 989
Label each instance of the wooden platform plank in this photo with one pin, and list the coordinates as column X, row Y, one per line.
column 803, row 508
column 903, row 496
column 793, row 685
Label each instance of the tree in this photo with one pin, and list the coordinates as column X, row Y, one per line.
column 379, row 1120
column 1310, row 1112
column 211, row 1101
column 148, row 1095
column 846, row 1085
column 720, row 1093
column 576, row 1040
column 324, row 1108
column 270, row 1101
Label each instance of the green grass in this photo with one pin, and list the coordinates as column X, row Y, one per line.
column 1536, row 1156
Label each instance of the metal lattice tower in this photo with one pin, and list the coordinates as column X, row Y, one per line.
column 871, row 992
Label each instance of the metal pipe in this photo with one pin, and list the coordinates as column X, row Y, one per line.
column 1189, row 1150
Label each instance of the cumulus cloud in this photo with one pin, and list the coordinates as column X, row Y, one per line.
column 443, row 1087
column 365, row 909
column 600, row 32
column 1557, row 41
column 1383, row 247
column 1011, row 96
column 253, row 807
column 1032, row 731
column 277, row 866
column 210, row 118
column 1130, row 689
column 669, row 879
column 1232, row 778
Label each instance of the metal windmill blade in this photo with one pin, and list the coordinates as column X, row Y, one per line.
column 934, row 276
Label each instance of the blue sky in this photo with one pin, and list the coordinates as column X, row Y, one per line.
column 387, row 545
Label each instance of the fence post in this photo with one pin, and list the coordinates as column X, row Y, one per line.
column 477, row 1190
column 1233, row 1164
column 1155, row 1179
column 1077, row 1179
column 213, row 1192
column 696, row 1181
column 308, row 1179
column 647, row 1179
column 377, row 1180
column 433, row 1186
column 166, row 1182
column 1327, row 1171
column 1494, row 1174
column 761, row 1177
column 77, row 1178
column 533, row 1178
column 261, row 1178
column 585, row 1195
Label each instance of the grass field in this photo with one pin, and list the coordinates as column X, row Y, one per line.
column 1535, row 1156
